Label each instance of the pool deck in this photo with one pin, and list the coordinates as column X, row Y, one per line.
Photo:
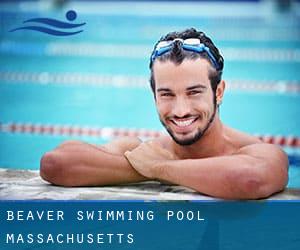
column 27, row 185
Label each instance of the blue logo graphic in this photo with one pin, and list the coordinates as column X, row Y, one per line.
column 70, row 15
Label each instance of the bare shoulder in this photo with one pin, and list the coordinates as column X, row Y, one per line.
column 253, row 146
column 121, row 145
column 239, row 138
column 266, row 151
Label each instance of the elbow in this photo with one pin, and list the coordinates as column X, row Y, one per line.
column 52, row 169
column 254, row 188
column 256, row 184
column 49, row 167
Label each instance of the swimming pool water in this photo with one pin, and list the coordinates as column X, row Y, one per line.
column 41, row 76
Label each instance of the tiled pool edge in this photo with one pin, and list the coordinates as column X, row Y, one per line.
column 27, row 185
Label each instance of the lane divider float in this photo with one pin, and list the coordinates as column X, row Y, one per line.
column 109, row 132
column 121, row 81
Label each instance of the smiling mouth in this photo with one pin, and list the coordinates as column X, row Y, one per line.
column 183, row 123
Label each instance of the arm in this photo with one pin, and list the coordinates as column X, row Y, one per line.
column 256, row 171
column 76, row 163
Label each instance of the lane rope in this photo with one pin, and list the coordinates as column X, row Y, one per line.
column 139, row 51
column 121, row 81
column 109, row 132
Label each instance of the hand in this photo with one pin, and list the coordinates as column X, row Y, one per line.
column 145, row 158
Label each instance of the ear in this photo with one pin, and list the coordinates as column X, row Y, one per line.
column 220, row 92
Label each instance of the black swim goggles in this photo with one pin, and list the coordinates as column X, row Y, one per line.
column 190, row 44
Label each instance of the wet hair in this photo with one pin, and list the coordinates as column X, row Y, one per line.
column 177, row 54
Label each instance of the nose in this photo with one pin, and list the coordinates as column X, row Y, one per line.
column 181, row 107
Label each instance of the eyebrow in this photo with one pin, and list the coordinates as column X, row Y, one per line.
column 164, row 89
column 198, row 86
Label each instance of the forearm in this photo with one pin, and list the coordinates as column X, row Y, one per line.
column 86, row 165
column 240, row 177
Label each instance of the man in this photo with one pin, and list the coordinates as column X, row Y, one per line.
column 200, row 151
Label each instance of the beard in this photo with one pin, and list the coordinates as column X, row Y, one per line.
column 197, row 136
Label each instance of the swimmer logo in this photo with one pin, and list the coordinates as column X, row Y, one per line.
column 70, row 15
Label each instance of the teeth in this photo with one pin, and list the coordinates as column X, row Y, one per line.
column 184, row 123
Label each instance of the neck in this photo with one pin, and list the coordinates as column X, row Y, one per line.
column 212, row 143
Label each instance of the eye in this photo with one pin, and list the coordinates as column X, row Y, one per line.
column 167, row 94
column 194, row 92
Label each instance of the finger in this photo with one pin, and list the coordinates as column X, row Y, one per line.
column 153, row 146
column 150, row 142
column 127, row 153
column 163, row 151
column 157, row 147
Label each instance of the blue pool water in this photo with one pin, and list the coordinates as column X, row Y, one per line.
column 42, row 77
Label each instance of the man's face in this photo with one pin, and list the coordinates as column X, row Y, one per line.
column 184, row 98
